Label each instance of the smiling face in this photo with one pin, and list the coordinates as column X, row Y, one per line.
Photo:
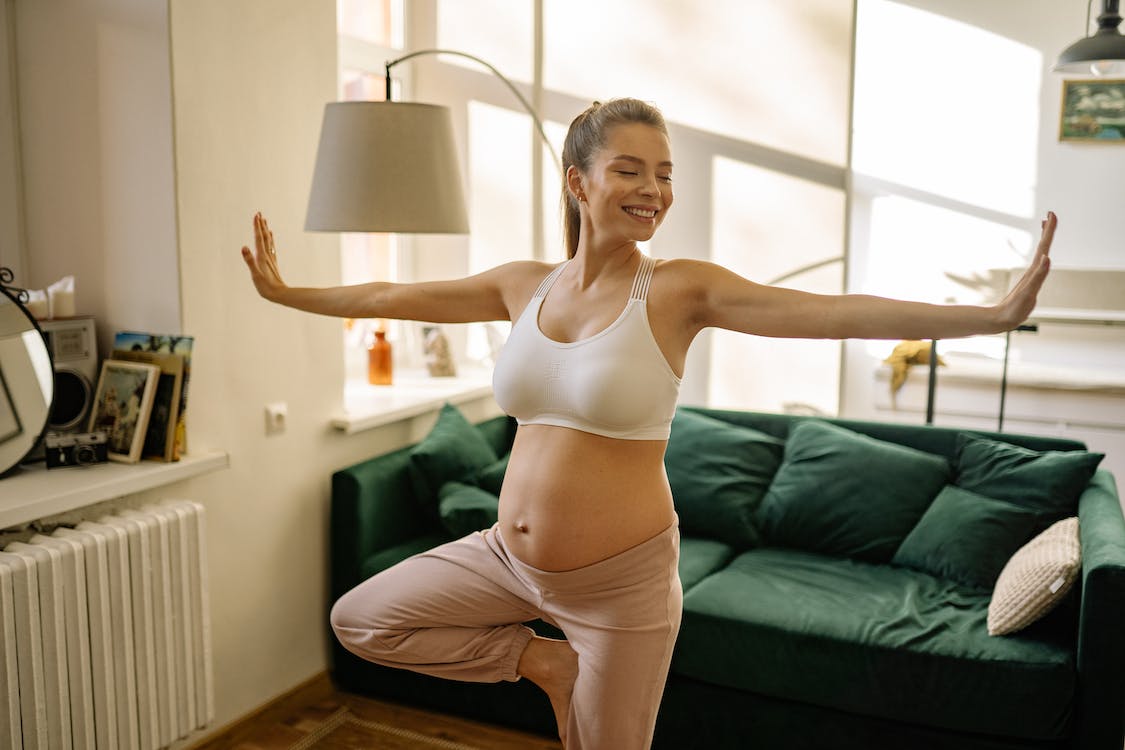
column 628, row 189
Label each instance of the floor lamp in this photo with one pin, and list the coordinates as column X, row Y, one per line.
column 393, row 166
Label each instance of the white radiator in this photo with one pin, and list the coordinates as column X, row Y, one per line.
column 105, row 639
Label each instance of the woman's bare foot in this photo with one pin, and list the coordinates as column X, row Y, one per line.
column 553, row 666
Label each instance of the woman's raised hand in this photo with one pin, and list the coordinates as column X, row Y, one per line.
column 1017, row 306
column 263, row 261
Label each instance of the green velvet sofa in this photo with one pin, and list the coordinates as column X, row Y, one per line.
column 802, row 628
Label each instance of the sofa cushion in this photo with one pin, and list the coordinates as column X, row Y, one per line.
column 453, row 450
column 870, row 639
column 842, row 493
column 491, row 477
column 966, row 537
column 719, row 473
column 700, row 558
column 1036, row 579
column 1048, row 482
column 464, row 508
column 385, row 558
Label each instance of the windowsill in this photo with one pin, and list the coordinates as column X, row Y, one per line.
column 414, row 393
column 34, row 492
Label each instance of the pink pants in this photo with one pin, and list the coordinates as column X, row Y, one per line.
column 458, row 610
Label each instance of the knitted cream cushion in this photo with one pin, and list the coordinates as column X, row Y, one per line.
column 1036, row 578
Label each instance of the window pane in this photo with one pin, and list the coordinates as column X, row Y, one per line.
column 952, row 128
column 497, row 31
column 361, row 86
column 921, row 252
column 553, row 240
column 499, row 205
column 773, row 73
column 375, row 21
column 767, row 225
column 500, row 199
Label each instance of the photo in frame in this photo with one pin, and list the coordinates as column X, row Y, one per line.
column 1093, row 111
column 164, row 343
column 160, row 436
column 122, row 404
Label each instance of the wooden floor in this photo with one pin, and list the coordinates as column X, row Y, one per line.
column 316, row 715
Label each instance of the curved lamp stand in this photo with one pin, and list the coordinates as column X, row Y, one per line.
column 511, row 87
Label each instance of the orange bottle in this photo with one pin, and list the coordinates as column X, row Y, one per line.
column 379, row 366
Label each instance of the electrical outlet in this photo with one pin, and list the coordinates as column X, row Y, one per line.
column 277, row 414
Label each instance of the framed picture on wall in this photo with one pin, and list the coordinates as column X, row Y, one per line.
column 1093, row 111
column 122, row 404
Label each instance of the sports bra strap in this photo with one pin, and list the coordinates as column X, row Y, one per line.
column 547, row 283
column 643, row 278
column 639, row 291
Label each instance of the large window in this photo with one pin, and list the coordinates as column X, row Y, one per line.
column 945, row 160
column 757, row 99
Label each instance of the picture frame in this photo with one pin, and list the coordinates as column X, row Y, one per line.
column 1093, row 111
column 122, row 404
column 164, row 343
column 160, row 436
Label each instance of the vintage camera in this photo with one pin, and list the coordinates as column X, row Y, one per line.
column 75, row 449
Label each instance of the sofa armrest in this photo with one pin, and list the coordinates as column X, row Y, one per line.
column 373, row 508
column 1100, row 707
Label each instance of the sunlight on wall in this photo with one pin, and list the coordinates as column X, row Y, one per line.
column 766, row 224
column 910, row 119
column 769, row 73
column 498, row 31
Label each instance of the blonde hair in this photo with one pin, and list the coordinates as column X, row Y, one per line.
column 586, row 136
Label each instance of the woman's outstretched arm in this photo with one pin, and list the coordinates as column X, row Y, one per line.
column 724, row 299
column 485, row 296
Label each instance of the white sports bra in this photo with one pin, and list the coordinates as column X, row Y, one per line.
column 616, row 383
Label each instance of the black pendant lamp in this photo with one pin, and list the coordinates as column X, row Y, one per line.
column 1103, row 53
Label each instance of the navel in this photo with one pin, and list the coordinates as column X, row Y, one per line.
column 521, row 527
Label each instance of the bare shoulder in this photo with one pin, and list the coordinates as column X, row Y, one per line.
column 688, row 276
column 519, row 276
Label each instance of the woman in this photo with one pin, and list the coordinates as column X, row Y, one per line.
column 587, row 535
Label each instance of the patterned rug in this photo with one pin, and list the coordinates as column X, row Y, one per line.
column 345, row 731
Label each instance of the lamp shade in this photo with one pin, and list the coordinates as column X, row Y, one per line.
column 386, row 167
column 1103, row 53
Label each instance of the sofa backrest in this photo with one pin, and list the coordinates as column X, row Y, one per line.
column 932, row 439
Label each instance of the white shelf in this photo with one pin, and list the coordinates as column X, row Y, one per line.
column 34, row 492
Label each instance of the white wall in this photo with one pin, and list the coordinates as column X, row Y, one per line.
column 12, row 254
column 96, row 126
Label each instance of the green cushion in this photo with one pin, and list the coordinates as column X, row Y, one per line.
column 491, row 477
column 1047, row 482
column 841, row 493
column 465, row 509
column 700, row 558
column 383, row 559
column 873, row 640
column 966, row 537
column 453, row 450
column 719, row 473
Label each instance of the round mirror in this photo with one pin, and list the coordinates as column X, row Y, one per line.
column 26, row 382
